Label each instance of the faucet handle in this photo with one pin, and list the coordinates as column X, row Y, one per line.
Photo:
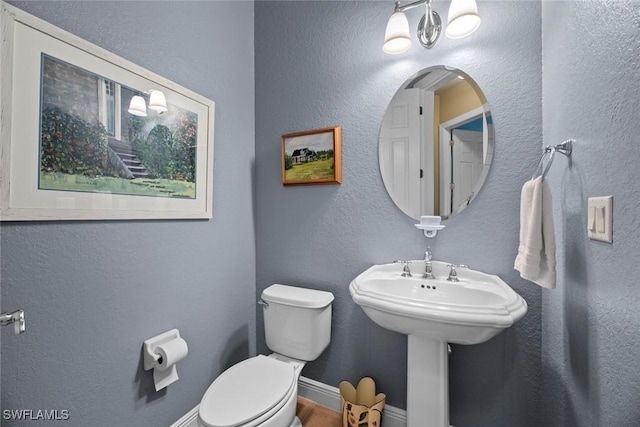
column 457, row 266
column 453, row 274
column 406, row 271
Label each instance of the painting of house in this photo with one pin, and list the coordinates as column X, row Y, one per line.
column 311, row 157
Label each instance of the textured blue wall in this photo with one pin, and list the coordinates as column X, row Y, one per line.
column 591, row 322
column 93, row 291
column 321, row 64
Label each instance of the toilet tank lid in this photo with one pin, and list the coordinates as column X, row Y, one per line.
column 298, row 297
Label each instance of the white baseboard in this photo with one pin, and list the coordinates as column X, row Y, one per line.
column 329, row 397
column 190, row 419
column 324, row 395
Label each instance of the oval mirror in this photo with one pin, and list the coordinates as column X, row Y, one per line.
column 436, row 143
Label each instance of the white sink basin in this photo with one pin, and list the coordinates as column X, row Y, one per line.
column 470, row 311
column 434, row 312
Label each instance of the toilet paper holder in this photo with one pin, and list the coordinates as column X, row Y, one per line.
column 151, row 357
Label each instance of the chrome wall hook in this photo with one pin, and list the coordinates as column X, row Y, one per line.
column 565, row 147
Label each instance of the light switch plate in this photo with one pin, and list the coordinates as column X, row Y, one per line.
column 600, row 218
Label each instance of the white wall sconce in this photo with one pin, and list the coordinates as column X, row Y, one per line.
column 463, row 20
column 157, row 103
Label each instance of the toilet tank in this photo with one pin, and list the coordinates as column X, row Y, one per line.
column 297, row 321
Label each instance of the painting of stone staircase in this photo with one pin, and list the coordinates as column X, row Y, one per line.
column 129, row 158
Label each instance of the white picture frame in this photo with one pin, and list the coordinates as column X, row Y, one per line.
column 48, row 172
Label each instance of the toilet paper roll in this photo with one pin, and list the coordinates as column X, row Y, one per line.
column 170, row 353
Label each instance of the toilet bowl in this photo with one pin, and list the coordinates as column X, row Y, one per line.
column 262, row 390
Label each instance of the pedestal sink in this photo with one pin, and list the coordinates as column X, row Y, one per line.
column 433, row 313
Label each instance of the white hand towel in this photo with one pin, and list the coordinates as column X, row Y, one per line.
column 536, row 260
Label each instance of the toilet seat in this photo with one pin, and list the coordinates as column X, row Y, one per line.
column 247, row 393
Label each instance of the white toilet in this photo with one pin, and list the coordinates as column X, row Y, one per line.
column 262, row 391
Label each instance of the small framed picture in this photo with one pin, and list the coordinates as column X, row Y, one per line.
column 312, row 157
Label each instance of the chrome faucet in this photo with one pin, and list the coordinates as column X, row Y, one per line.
column 406, row 271
column 428, row 267
column 453, row 274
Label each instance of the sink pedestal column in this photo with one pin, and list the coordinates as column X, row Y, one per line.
column 427, row 382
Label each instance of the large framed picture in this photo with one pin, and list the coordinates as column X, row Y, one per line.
column 312, row 157
column 87, row 135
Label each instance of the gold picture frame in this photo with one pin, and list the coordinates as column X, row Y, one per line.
column 312, row 157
